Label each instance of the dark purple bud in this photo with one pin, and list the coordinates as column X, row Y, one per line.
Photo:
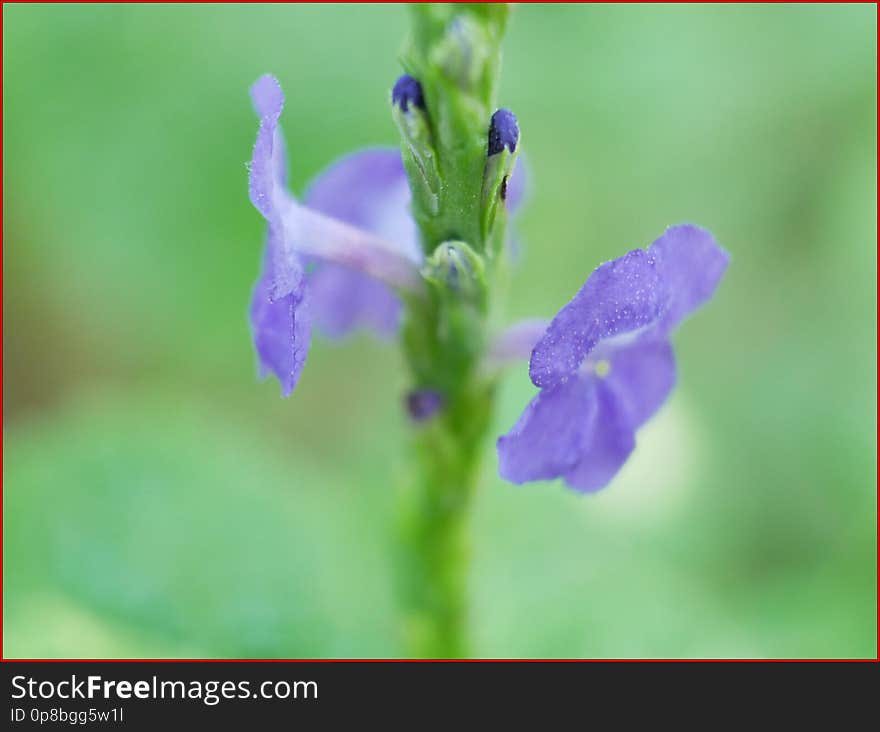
column 407, row 91
column 422, row 404
column 503, row 132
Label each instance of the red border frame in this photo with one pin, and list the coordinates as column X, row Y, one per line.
column 3, row 659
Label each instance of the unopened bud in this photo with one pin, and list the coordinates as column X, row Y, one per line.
column 458, row 272
column 420, row 157
column 503, row 132
column 408, row 91
column 501, row 152
column 422, row 404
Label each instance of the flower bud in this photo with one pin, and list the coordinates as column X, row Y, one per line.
column 422, row 404
column 408, row 91
column 464, row 52
column 419, row 155
column 501, row 151
column 458, row 272
column 503, row 132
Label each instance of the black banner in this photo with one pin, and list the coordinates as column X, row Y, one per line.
column 251, row 695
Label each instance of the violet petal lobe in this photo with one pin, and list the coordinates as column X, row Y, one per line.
column 369, row 190
column 266, row 186
column 619, row 297
column 321, row 238
column 280, row 325
column 610, row 444
column 641, row 376
column 514, row 343
column 551, row 434
column 342, row 299
column 267, row 163
column 691, row 264
column 583, row 429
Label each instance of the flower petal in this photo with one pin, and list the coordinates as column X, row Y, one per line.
column 641, row 375
column 583, row 429
column 367, row 189
column 691, row 264
column 341, row 299
column 620, row 296
column 321, row 238
column 266, row 187
column 611, row 441
column 280, row 323
column 644, row 293
column 267, row 163
column 514, row 343
column 551, row 434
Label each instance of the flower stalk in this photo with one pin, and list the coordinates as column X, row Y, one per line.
column 453, row 57
column 454, row 53
column 435, row 513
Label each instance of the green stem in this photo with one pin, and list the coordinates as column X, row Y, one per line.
column 454, row 52
column 435, row 513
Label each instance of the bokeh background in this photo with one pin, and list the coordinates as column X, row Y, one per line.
column 159, row 501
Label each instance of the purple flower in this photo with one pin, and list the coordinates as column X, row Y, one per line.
column 338, row 259
column 356, row 235
column 604, row 364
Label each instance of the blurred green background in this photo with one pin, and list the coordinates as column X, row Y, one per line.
column 158, row 501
